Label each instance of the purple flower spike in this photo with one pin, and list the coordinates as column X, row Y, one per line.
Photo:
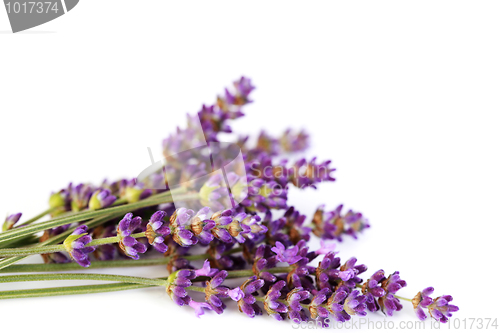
column 283, row 255
column 157, row 231
column 247, row 303
column 101, row 199
column 128, row 244
column 272, row 305
column 76, row 243
column 10, row 221
column 439, row 308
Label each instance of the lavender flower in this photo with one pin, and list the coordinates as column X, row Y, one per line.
column 61, row 200
column 247, row 303
column 272, row 305
column 264, row 260
column 332, row 225
column 389, row 303
column 134, row 191
column 157, row 231
column 80, row 196
column 264, row 195
column 372, row 289
column 422, row 300
column 227, row 227
column 294, row 299
column 355, row 304
column 250, row 227
column 266, row 143
column 128, row 244
column 215, row 194
column 56, row 257
column 294, row 142
column 325, row 248
column 75, row 245
column 283, row 255
column 316, row 307
column 215, row 291
column 198, row 307
column 101, row 199
column 335, row 304
column 179, row 280
column 308, row 174
column 201, row 225
column 440, row 308
column 178, row 226
column 295, row 226
column 349, row 273
column 326, row 270
column 243, row 88
column 299, row 273
column 10, row 221
column 221, row 259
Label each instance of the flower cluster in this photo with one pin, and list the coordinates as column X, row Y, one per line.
column 253, row 240
column 129, row 245
column 76, row 246
column 188, row 228
column 334, row 224
column 439, row 308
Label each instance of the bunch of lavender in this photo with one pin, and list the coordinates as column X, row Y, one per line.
column 109, row 224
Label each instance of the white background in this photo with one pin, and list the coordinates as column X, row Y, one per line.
column 403, row 96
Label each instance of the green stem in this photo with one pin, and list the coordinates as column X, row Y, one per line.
column 60, row 291
column 117, row 278
column 23, row 251
column 21, row 242
column 85, row 215
column 403, row 298
column 31, row 268
column 37, row 217
column 14, row 252
column 102, row 288
column 60, row 238
column 81, row 276
column 194, row 288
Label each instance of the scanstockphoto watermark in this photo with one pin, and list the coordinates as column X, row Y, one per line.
column 26, row 14
column 366, row 323
column 361, row 323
